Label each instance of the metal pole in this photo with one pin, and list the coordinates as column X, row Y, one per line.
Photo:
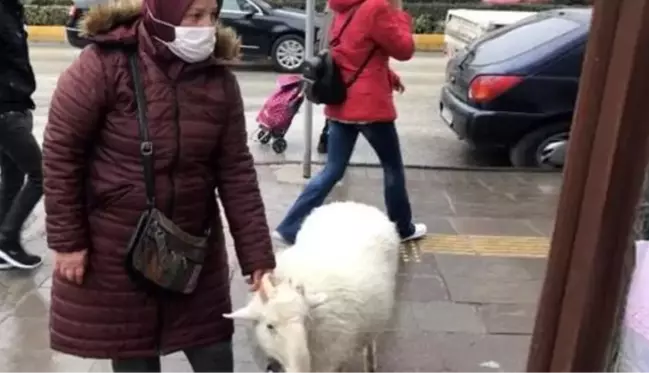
column 308, row 106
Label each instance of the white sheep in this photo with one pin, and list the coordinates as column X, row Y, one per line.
column 332, row 293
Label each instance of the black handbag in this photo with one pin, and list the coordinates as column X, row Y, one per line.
column 160, row 255
column 323, row 81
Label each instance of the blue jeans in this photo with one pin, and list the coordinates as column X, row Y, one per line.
column 342, row 138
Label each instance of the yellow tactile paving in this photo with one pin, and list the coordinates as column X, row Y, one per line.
column 510, row 246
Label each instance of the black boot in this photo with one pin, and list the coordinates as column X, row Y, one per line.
column 11, row 249
column 324, row 140
column 12, row 180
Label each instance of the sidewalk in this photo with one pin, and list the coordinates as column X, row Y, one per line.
column 467, row 293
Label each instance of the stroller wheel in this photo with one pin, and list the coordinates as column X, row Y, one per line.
column 263, row 136
column 279, row 146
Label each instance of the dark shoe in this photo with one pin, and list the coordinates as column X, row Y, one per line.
column 5, row 265
column 322, row 144
column 12, row 252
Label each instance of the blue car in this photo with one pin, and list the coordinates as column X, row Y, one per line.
column 516, row 87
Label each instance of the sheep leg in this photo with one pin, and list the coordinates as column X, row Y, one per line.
column 369, row 354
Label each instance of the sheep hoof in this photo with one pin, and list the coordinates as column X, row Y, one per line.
column 369, row 355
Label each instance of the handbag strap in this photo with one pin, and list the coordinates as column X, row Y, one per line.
column 360, row 69
column 358, row 72
column 342, row 29
column 146, row 146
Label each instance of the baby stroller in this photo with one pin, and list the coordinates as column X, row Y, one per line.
column 279, row 110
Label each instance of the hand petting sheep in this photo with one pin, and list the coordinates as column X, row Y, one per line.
column 331, row 293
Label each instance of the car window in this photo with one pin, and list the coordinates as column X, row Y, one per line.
column 510, row 42
column 231, row 5
column 238, row 6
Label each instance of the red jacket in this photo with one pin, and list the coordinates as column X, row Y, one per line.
column 375, row 24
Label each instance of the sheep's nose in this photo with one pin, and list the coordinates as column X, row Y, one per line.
column 274, row 366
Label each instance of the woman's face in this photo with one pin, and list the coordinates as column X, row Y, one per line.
column 202, row 13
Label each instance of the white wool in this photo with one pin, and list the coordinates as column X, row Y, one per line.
column 349, row 252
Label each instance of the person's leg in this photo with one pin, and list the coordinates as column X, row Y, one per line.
column 19, row 144
column 384, row 140
column 214, row 358
column 342, row 138
column 151, row 364
column 11, row 181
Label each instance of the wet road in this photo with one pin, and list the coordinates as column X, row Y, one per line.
column 425, row 139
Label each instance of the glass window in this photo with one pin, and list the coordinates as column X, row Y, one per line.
column 509, row 42
column 238, row 6
column 231, row 5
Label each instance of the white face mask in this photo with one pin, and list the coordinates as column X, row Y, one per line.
column 192, row 44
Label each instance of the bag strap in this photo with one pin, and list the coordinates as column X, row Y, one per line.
column 146, row 146
column 342, row 29
column 369, row 56
column 361, row 67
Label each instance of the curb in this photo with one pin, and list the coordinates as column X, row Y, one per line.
column 423, row 42
column 46, row 34
column 429, row 42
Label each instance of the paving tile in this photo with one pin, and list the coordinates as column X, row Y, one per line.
column 436, row 225
column 476, row 279
column 424, row 267
column 492, row 268
column 447, row 316
column 28, row 360
column 418, row 352
column 496, row 227
column 451, row 352
column 34, row 304
column 28, row 334
column 469, row 195
column 524, row 210
column 421, row 289
column 483, row 353
column 544, row 226
column 403, row 318
column 508, row 318
column 466, row 290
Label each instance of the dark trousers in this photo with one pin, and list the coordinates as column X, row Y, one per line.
column 214, row 358
column 342, row 138
column 20, row 157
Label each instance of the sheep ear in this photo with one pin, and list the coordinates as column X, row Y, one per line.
column 243, row 313
column 316, row 299
column 312, row 299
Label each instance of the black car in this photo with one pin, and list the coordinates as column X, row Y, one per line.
column 515, row 88
column 266, row 31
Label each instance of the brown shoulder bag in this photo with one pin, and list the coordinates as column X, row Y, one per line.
column 160, row 254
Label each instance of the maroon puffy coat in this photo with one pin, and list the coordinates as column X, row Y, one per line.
column 94, row 190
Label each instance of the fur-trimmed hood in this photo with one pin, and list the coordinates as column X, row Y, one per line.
column 116, row 21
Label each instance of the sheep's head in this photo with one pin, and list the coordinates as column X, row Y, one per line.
column 280, row 312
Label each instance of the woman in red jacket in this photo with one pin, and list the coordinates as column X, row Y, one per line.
column 379, row 29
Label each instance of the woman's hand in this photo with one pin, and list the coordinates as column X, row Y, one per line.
column 255, row 279
column 397, row 85
column 71, row 266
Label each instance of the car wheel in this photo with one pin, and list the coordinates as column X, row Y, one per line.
column 543, row 148
column 288, row 53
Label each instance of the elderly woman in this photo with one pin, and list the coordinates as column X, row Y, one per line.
column 105, row 303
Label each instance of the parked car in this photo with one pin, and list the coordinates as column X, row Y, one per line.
column 266, row 31
column 515, row 88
